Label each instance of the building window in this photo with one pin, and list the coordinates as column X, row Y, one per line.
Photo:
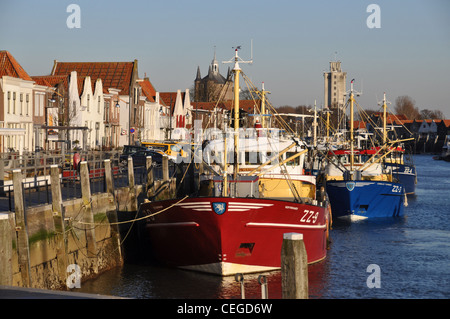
column 41, row 104
column 106, row 114
column 14, row 103
column 98, row 107
column 36, row 104
column 21, row 104
column 9, row 102
column 27, row 100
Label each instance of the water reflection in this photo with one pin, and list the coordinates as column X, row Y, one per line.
column 155, row 282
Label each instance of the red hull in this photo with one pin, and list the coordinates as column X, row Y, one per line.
column 245, row 237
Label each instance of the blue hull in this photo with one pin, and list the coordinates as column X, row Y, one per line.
column 365, row 199
column 405, row 174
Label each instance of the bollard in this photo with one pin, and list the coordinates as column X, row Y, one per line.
column 240, row 278
column 294, row 267
column 262, row 280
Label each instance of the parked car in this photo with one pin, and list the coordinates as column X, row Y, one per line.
column 130, row 149
column 140, row 158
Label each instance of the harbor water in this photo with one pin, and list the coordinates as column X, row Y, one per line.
column 405, row 257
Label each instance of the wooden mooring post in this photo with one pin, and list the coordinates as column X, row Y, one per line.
column 132, row 187
column 88, row 216
column 150, row 180
column 58, row 220
column 6, row 249
column 294, row 267
column 23, row 249
column 112, row 215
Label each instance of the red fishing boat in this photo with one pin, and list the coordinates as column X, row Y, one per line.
column 229, row 226
column 223, row 235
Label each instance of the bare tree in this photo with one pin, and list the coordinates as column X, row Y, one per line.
column 405, row 105
column 431, row 115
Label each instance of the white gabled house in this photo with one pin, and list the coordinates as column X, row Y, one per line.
column 87, row 108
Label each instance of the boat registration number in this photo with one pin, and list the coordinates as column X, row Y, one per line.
column 309, row 216
column 396, row 189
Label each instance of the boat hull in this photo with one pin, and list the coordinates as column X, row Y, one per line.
column 365, row 199
column 406, row 175
column 225, row 236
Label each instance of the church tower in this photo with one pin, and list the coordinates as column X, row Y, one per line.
column 212, row 86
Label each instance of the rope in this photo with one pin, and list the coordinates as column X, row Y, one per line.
column 135, row 219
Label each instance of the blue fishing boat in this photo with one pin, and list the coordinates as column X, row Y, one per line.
column 357, row 182
column 396, row 162
column 402, row 171
column 365, row 199
column 367, row 191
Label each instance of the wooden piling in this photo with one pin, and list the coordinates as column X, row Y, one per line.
column 165, row 167
column 6, row 272
column 23, row 249
column 109, row 177
column 88, row 217
column 132, row 188
column 58, row 220
column 166, row 184
column 112, row 215
column 150, row 180
column 294, row 267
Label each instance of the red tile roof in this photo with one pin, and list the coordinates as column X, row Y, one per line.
column 359, row 124
column 447, row 123
column 51, row 80
column 10, row 67
column 148, row 90
column 170, row 98
column 113, row 74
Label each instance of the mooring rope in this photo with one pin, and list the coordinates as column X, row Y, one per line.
column 132, row 220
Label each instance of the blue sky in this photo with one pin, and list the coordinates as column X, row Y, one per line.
column 293, row 42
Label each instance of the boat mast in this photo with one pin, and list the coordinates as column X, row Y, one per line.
column 263, row 105
column 237, row 71
column 225, row 163
column 384, row 118
column 327, row 111
column 351, row 127
column 315, row 125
